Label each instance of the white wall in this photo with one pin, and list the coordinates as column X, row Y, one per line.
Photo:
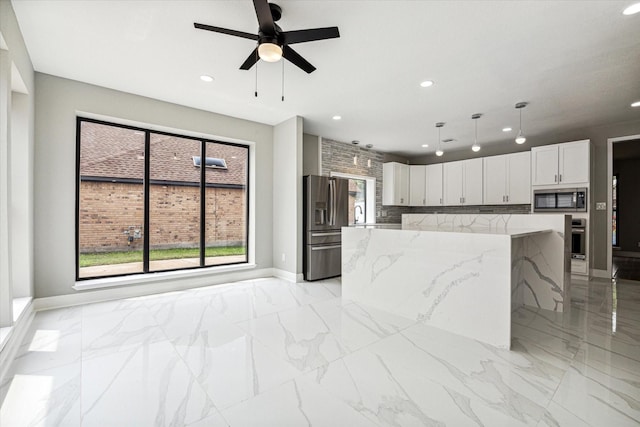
column 16, row 145
column 58, row 102
column 287, row 200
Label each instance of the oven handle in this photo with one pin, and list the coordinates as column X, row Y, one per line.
column 577, row 230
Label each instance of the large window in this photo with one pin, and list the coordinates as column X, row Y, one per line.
column 144, row 204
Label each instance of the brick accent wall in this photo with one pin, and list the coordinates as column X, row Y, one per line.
column 107, row 210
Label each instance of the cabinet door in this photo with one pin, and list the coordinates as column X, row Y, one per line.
column 574, row 163
column 388, row 182
column 519, row 178
column 417, row 183
column 544, row 165
column 402, row 185
column 472, row 190
column 453, row 179
column 434, row 185
column 495, row 180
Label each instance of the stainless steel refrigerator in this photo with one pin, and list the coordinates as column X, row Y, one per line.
column 326, row 205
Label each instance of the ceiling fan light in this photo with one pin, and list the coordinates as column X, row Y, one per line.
column 270, row 52
column 475, row 148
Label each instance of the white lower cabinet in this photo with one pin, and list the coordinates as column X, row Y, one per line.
column 463, row 182
column 507, row 179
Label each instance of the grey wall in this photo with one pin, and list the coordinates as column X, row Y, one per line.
column 58, row 101
column 310, row 154
column 628, row 172
column 599, row 177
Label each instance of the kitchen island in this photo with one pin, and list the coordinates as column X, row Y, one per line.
column 461, row 273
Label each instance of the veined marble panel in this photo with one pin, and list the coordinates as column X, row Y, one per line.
column 457, row 282
column 542, row 266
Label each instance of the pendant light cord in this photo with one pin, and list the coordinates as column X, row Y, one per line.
column 283, row 47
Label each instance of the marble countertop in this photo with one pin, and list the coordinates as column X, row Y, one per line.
column 511, row 231
column 388, row 226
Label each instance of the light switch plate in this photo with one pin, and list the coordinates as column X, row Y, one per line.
column 601, row 206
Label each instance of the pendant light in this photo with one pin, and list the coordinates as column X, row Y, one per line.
column 476, row 147
column 439, row 151
column 521, row 139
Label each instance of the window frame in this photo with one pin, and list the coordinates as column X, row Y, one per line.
column 146, row 197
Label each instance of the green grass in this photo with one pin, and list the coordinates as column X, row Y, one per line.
column 109, row 258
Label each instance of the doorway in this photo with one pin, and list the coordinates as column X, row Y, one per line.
column 624, row 208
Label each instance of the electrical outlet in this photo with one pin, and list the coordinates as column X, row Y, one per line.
column 284, row 257
column 601, row 206
column 384, row 213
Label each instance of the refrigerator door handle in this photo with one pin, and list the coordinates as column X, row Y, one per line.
column 335, row 233
column 332, row 200
column 325, row 248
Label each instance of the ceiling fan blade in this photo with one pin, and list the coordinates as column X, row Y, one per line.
column 251, row 60
column 265, row 19
column 297, row 60
column 226, row 31
column 301, row 36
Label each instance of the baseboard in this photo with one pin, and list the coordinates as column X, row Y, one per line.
column 287, row 275
column 108, row 294
column 18, row 331
column 600, row 273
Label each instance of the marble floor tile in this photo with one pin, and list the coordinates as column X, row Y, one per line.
column 121, row 329
column 300, row 336
column 389, row 391
column 356, row 326
column 145, row 385
column 49, row 397
column 296, row 403
column 557, row 416
column 268, row 352
column 599, row 399
column 53, row 339
column 231, row 365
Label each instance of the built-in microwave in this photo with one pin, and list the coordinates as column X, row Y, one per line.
column 560, row 200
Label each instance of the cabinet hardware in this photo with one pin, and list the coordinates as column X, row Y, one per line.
column 560, row 177
column 555, row 178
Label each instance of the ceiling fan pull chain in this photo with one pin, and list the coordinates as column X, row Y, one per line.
column 257, row 60
column 283, row 47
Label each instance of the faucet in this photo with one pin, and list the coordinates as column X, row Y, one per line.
column 355, row 213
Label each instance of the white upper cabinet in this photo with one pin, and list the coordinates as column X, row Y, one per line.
column 507, row 179
column 561, row 164
column 463, row 182
column 573, row 162
column 434, row 185
column 417, row 185
column 395, row 184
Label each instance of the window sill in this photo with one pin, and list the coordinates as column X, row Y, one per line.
column 110, row 282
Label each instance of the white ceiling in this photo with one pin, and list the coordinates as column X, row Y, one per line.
column 576, row 62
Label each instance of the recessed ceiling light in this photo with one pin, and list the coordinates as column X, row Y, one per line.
column 506, row 129
column 636, row 104
column 425, row 145
column 631, row 10
column 337, row 117
column 426, row 83
column 206, row 78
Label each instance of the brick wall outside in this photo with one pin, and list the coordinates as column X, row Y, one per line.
column 108, row 209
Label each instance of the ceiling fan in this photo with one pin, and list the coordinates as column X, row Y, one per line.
column 273, row 43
